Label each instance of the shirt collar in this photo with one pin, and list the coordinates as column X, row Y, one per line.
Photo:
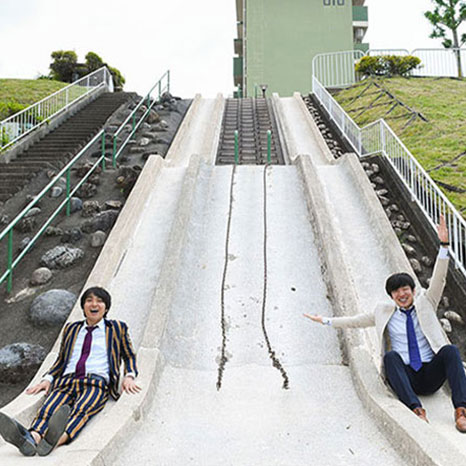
column 100, row 325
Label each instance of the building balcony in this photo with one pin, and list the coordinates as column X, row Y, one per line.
column 358, row 2
column 360, row 14
column 238, row 45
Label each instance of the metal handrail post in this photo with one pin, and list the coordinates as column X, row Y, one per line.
column 114, row 151
column 68, row 190
column 160, row 89
column 269, row 146
column 103, row 151
column 9, row 284
column 236, row 147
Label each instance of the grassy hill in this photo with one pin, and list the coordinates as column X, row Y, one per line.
column 16, row 94
column 428, row 115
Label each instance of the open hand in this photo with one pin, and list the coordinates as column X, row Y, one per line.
column 43, row 385
column 129, row 385
column 315, row 318
column 442, row 230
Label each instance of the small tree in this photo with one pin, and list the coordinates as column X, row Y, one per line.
column 63, row 65
column 448, row 14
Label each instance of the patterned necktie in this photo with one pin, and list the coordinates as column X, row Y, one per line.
column 80, row 371
column 413, row 348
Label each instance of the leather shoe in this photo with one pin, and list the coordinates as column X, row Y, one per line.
column 460, row 419
column 421, row 413
column 57, row 425
column 16, row 434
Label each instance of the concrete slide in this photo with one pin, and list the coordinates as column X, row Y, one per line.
column 212, row 268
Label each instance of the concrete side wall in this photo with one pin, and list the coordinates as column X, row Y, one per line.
column 283, row 37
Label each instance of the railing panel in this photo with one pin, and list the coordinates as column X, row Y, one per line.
column 17, row 126
column 336, row 69
column 440, row 62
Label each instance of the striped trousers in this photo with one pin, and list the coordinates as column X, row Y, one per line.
column 86, row 398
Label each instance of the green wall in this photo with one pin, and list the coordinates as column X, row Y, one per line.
column 284, row 35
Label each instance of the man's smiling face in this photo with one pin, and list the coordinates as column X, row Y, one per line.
column 403, row 297
column 94, row 309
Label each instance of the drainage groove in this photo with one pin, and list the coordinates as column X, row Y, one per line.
column 223, row 358
column 275, row 361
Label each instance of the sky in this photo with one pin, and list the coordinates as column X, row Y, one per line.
column 144, row 38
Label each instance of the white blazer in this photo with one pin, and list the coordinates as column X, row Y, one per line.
column 426, row 302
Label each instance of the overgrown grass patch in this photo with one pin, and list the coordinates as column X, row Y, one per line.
column 17, row 94
column 439, row 144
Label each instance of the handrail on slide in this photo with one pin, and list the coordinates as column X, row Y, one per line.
column 162, row 85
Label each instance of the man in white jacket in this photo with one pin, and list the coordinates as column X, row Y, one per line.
column 417, row 356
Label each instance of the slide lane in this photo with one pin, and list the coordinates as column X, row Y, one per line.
column 252, row 419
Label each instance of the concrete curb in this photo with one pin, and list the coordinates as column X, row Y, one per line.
column 413, row 438
column 24, row 406
column 183, row 130
column 313, row 128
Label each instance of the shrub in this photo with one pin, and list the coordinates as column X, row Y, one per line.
column 387, row 65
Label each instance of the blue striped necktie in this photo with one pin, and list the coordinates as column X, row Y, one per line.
column 413, row 348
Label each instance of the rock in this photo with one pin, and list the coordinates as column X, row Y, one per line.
column 19, row 360
column 57, row 191
column 369, row 173
column 144, row 142
column 87, row 190
column 24, row 242
column 53, row 231
column 412, row 239
column 34, row 211
column 415, row 265
column 40, row 276
column 453, row 316
column 446, row 325
column 409, row 250
column 405, row 225
column 73, row 235
column 153, row 117
column 4, row 219
column 427, row 261
column 61, row 257
column 384, row 201
column 103, row 221
column 75, row 204
column 81, row 171
column 365, row 165
column 52, row 307
column 26, row 225
column 98, row 239
column 381, row 192
column 115, row 205
column 94, row 179
column 164, row 124
column 379, row 180
column 400, row 218
column 30, row 198
column 90, row 208
column 394, row 208
column 445, row 302
column 375, row 168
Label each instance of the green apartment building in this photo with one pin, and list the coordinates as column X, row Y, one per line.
column 277, row 40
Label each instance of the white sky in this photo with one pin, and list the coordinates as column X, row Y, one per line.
column 143, row 38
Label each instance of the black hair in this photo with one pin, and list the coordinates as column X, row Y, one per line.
column 398, row 280
column 101, row 293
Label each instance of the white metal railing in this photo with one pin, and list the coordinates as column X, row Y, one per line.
column 379, row 138
column 336, row 69
column 24, row 122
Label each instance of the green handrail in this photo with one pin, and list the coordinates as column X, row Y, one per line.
column 8, row 230
column 162, row 85
column 66, row 171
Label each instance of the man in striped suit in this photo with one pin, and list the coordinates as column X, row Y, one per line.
column 85, row 373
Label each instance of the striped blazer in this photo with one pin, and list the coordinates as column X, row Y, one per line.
column 119, row 349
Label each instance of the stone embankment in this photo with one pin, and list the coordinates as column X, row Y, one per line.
column 52, row 274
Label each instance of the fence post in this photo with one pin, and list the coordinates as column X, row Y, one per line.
column 168, row 80
column 9, row 284
column 103, row 151
column 68, row 190
column 269, row 146
column 236, row 148
column 114, row 151
column 382, row 138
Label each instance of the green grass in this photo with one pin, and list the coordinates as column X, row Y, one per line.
column 439, row 142
column 16, row 94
